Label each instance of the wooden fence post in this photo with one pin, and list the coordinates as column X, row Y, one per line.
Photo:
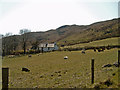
column 5, row 80
column 92, row 71
column 118, row 67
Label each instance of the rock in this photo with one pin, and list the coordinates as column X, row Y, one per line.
column 64, row 72
column 57, row 83
column 41, row 76
column 25, row 69
column 113, row 74
column 59, row 71
column 59, row 75
column 107, row 65
column 97, row 86
column 108, row 82
column 116, row 64
column 51, row 75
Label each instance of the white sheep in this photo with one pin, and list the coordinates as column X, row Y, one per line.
column 66, row 57
column 11, row 56
column 29, row 55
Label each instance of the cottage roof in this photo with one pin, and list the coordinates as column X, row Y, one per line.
column 50, row 45
column 46, row 45
column 42, row 45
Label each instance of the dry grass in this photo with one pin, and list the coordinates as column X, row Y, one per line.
column 104, row 42
column 53, row 71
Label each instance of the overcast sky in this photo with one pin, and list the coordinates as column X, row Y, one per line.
column 43, row 15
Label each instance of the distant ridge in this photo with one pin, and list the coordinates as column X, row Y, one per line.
column 74, row 34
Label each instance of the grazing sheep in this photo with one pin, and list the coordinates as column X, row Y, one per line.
column 107, row 65
column 29, row 55
column 66, row 57
column 11, row 56
column 25, row 69
column 83, row 52
column 39, row 54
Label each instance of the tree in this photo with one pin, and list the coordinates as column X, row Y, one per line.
column 1, row 44
column 8, row 34
column 35, row 45
column 9, row 44
column 24, row 40
column 6, row 46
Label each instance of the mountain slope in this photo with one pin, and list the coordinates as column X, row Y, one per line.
column 73, row 34
column 93, row 32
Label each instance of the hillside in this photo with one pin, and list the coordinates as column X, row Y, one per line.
column 73, row 34
column 103, row 42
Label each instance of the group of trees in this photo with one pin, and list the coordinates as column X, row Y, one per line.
column 9, row 45
column 11, row 42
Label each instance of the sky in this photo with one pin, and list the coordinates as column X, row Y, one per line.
column 43, row 15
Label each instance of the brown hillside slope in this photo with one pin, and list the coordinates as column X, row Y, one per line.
column 73, row 34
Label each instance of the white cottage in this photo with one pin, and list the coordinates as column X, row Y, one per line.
column 48, row 47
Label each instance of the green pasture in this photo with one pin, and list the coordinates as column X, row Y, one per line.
column 104, row 42
column 51, row 70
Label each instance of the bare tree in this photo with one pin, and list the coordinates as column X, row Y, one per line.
column 7, row 44
column 8, row 34
column 24, row 32
column 35, row 45
column 1, row 44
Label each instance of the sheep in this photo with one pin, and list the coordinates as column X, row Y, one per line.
column 39, row 54
column 29, row 55
column 66, row 57
column 25, row 69
column 83, row 52
column 11, row 56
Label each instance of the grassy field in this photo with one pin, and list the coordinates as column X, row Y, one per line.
column 104, row 42
column 51, row 70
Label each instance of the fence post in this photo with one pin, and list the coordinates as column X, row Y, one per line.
column 5, row 80
column 92, row 71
